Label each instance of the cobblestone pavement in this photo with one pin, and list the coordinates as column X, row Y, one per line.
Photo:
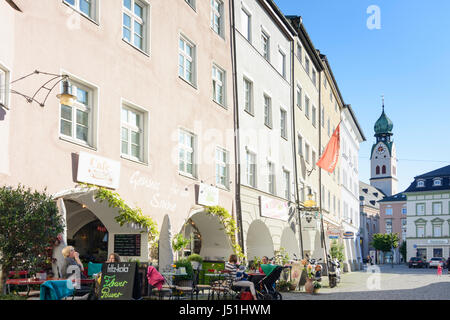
column 385, row 283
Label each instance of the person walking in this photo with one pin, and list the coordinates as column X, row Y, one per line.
column 439, row 270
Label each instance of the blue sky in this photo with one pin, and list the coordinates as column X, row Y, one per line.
column 407, row 60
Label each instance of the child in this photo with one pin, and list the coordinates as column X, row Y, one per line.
column 439, row 270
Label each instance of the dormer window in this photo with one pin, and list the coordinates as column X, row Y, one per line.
column 420, row 184
column 437, row 182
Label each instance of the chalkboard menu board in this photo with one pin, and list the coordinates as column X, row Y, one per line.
column 120, row 281
column 128, row 245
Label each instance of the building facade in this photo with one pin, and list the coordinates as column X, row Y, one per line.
column 393, row 219
column 264, row 41
column 153, row 120
column 351, row 136
column 428, row 215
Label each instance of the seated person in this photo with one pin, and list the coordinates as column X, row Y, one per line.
column 71, row 258
column 265, row 260
column 238, row 281
column 113, row 257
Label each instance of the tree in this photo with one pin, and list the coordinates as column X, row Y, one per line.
column 385, row 242
column 29, row 225
column 337, row 251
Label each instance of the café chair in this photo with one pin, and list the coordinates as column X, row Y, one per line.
column 56, row 289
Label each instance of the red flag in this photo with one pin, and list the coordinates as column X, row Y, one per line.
column 330, row 157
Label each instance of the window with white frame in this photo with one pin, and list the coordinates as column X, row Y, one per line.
column 283, row 124
column 251, row 169
column 437, row 207
column 420, row 209
column 77, row 120
column 299, row 52
column 4, row 86
column 322, row 116
column 186, row 155
column 271, row 176
column 132, row 133
column 87, row 8
column 306, row 106
column 420, row 183
column 135, row 23
column 246, row 24
column 186, row 60
column 248, row 96
column 313, row 158
column 389, row 211
column 299, row 97
column 388, row 226
column 313, row 116
column 306, row 155
column 282, row 61
column 437, row 182
column 268, row 111
column 437, row 229
column 222, row 168
column 307, row 65
column 420, row 230
column 265, row 39
column 217, row 16
column 300, row 145
column 287, row 184
column 314, row 76
column 218, row 82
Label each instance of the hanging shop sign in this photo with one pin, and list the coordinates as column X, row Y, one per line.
column 274, row 208
column 349, row 235
column 208, row 195
column 99, row 171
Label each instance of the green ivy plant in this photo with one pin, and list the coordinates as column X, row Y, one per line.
column 126, row 214
column 230, row 227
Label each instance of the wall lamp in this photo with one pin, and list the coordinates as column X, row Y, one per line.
column 65, row 97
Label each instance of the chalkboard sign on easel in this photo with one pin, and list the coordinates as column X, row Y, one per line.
column 120, row 281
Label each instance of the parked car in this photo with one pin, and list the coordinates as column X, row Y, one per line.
column 434, row 262
column 417, row 262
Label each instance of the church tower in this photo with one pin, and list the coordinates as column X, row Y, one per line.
column 383, row 158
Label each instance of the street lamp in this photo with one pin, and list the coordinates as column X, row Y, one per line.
column 65, row 97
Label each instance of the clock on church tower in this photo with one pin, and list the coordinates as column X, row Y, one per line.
column 383, row 158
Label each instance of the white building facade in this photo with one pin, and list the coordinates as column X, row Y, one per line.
column 351, row 136
column 263, row 49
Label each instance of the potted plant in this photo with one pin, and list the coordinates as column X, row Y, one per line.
column 317, row 285
column 196, row 261
column 185, row 280
column 309, row 285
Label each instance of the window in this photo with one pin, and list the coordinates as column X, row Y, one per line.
column 186, row 60
column 404, row 210
column 328, row 127
column 299, row 97
column 322, row 116
column 186, row 148
column 217, row 16
column 218, row 83
column 282, row 67
column 4, row 86
column 389, row 211
column 314, row 75
column 87, row 8
column 313, row 116
column 287, row 184
column 283, row 124
column 377, row 170
column 306, row 152
column 222, row 168
column 383, row 170
column 313, row 156
column 191, row 3
column 299, row 52
column 307, row 65
column 300, row 145
column 388, row 226
column 246, row 24
column 248, row 93
column 134, row 23
column 265, row 39
column 437, row 207
column 132, row 133
column 271, row 170
column 420, row 184
column 77, row 121
column 307, row 107
column 251, row 169
column 268, row 111
column 420, row 209
column 437, row 230
column 437, row 183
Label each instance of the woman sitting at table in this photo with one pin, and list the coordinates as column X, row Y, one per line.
column 113, row 257
column 232, row 267
column 71, row 258
column 264, row 260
